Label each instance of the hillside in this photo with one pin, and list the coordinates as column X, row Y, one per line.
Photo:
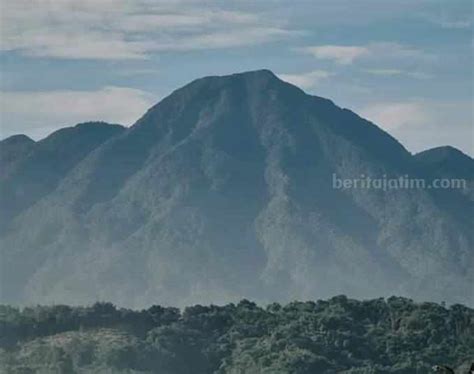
column 339, row 335
column 223, row 191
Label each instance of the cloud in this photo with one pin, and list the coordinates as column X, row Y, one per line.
column 398, row 72
column 391, row 50
column 456, row 16
column 307, row 80
column 127, row 29
column 85, row 46
column 225, row 39
column 396, row 114
column 459, row 24
column 384, row 71
column 423, row 124
column 372, row 52
column 39, row 113
column 186, row 21
column 340, row 54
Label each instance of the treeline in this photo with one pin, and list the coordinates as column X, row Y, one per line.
column 32, row 322
column 340, row 335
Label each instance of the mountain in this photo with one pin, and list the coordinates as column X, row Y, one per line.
column 30, row 170
column 225, row 189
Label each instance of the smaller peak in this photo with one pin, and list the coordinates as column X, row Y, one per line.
column 83, row 128
column 442, row 153
column 18, row 139
column 447, row 161
column 444, row 148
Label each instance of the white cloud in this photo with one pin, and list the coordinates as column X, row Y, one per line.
column 224, row 39
column 423, row 124
column 459, row 24
column 384, row 71
column 88, row 45
column 372, row 52
column 185, row 21
column 41, row 112
column 341, row 54
column 307, row 80
column 458, row 17
column 398, row 72
column 126, row 29
column 396, row 114
column 390, row 50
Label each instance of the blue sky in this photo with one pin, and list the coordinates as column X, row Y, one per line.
column 407, row 65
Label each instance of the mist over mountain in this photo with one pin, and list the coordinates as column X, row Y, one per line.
column 224, row 190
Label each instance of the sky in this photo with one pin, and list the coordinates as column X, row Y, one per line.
column 405, row 65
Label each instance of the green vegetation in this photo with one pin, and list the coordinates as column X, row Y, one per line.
column 340, row 335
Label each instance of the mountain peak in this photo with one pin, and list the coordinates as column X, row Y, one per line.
column 444, row 154
column 447, row 160
column 204, row 92
column 252, row 96
column 82, row 132
column 247, row 75
column 13, row 149
column 17, row 139
column 257, row 79
column 254, row 73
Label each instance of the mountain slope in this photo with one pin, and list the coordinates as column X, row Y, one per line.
column 225, row 190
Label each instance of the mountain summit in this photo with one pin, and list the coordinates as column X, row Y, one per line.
column 224, row 190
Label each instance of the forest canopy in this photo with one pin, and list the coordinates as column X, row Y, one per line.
column 340, row 335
